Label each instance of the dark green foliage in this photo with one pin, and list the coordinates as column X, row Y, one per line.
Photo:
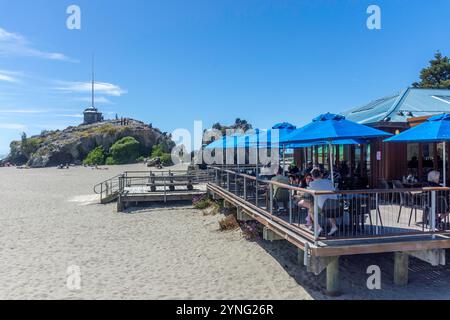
column 28, row 146
column 166, row 160
column 437, row 75
column 160, row 151
column 125, row 151
column 96, row 157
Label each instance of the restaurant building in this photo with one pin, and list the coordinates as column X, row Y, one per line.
column 377, row 161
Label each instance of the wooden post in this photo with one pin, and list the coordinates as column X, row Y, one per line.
column 301, row 257
column 271, row 236
column 333, row 286
column 401, row 268
column 120, row 204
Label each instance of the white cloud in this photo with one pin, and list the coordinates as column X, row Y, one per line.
column 98, row 100
column 23, row 111
column 9, row 76
column 78, row 116
column 16, row 44
column 5, row 77
column 12, row 126
column 105, row 88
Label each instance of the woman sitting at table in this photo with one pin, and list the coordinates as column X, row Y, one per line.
column 318, row 184
column 307, row 179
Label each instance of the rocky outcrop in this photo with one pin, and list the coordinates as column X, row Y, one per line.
column 73, row 144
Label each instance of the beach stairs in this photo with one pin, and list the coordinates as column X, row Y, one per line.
column 108, row 190
column 110, row 198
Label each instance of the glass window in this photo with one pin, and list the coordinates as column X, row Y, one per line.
column 427, row 159
column 413, row 159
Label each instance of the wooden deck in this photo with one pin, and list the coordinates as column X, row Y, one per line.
column 399, row 237
column 139, row 195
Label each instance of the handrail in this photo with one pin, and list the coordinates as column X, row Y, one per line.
column 382, row 208
column 103, row 182
column 332, row 192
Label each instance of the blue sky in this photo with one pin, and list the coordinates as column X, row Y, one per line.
column 173, row 62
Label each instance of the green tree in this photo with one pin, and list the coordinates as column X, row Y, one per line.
column 28, row 146
column 125, row 151
column 158, row 150
column 437, row 75
column 96, row 157
column 239, row 124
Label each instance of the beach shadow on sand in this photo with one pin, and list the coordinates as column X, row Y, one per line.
column 148, row 207
column 425, row 281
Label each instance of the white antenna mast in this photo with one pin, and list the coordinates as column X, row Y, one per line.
column 93, row 81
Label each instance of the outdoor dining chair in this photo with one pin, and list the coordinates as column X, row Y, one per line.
column 407, row 200
column 442, row 209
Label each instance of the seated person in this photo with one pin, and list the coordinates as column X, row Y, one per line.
column 319, row 183
column 307, row 179
column 434, row 178
column 266, row 172
column 294, row 180
column 293, row 169
column 280, row 194
column 309, row 168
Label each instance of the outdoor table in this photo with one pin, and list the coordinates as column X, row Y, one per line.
column 412, row 185
column 354, row 200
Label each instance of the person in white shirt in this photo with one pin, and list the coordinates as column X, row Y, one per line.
column 320, row 184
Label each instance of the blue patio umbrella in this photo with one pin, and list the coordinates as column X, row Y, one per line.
column 266, row 138
column 331, row 127
column 335, row 143
column 219, row 143
column 225, row 142
column 435, row 129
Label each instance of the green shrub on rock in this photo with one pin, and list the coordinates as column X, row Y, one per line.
column 95, row 157
column 110, row 161
column 125, row 151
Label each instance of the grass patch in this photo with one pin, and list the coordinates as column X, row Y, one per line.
column 229, row 223
column 251, row 230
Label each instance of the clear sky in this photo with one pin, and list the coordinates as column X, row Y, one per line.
column 172, row 62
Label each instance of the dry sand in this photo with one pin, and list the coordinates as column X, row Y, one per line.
column 50, row 220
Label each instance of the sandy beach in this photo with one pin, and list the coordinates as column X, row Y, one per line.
column 51, row 221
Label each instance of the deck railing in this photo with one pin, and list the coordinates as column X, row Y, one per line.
column 167, row 180
column 355, row 214
column 147, row 181
column 108, row 189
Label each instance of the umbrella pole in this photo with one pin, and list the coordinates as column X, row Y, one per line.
column 330, row 145
column 284, row 158
column 444, row 167
column 257, row 161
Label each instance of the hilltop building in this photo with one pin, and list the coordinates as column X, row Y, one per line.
column 92, row 115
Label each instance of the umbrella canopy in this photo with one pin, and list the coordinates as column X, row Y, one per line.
column 435, row 129
column 331, row 127
column 225, row 142
column 219, row 143
column 271, row 137
column 321, row 143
